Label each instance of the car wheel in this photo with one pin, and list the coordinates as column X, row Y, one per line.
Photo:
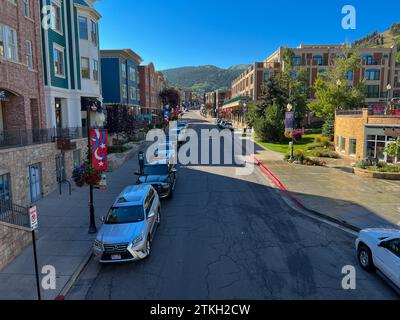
column 365, row 258
column 171, row 193
column 159, row 217
column 148, row 247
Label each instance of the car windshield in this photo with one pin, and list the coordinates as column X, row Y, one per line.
column 157, row 170
column 119, row 215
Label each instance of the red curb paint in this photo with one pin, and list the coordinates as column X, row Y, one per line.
column 60, row 298
column 279, row 183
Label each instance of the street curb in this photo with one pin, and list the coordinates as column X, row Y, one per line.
column 68, row 286
column 298, row 201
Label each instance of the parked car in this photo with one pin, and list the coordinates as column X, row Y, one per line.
column 161, row 176
column 221, row 124
column 129, row 226
column 380, row 249
column 228, row 125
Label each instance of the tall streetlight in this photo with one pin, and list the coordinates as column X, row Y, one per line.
column 92, row 226
column 388, row 89
column 291, row 108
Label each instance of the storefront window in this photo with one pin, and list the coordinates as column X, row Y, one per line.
column 353, row 147
column 343, row 144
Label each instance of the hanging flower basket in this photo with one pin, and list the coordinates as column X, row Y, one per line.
column 85, row 174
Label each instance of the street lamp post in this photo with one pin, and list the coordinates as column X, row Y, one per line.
column 290, row 107
column 388, row 89
column 92, row 226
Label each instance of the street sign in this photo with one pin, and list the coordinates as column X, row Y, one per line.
column 33, row 218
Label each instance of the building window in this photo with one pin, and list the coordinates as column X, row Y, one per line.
column 124, row 91
column 132, row 93
column 353, row 147
column 376, row 146
column 297, row 60
column 123, row 70
column 77, row 158
column 350, row 75
column 267, row 75
column 5, row 193
column 373, row 74
column 93, row 31
column 368, row 60
column 8, row 43
column 27, row 9
column 343, row 144
column 132, row 74
column 95, row 70
column 29, row 54
column 85, row 68
column 318, row 59
column 337, row 142
column 372, row 91
column 59, row 65
column 56, row 21
column 83, row 28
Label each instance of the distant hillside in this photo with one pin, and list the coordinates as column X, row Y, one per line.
column 203, row 78
column 381, row 40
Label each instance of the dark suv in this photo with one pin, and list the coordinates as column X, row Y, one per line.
column 161, row 176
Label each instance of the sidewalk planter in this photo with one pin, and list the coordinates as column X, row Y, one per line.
column 116, row 160
column 376, row 175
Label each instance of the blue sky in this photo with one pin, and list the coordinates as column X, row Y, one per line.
column 178, row 33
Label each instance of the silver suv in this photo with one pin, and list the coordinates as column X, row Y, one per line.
column 129, row 227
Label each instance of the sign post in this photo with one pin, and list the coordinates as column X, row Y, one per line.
column 34, row 226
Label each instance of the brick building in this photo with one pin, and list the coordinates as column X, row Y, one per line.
column 366, row 133
column 21, row 76
column 378, row 68
column 152, row 83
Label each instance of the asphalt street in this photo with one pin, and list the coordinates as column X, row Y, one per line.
column 224, row 236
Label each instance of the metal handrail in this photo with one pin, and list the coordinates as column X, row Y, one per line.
column 13, row 214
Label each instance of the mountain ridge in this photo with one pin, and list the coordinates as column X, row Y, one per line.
column 203, row 78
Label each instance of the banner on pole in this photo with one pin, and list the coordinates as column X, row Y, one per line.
column 99, row 148
column 289, row 121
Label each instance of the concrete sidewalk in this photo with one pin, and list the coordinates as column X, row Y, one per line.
column 337, row 193
column 63, row 239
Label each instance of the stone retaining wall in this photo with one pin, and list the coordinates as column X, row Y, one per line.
column 13, row 240
column 376, row 175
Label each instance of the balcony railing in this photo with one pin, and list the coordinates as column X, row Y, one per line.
column 14, row 138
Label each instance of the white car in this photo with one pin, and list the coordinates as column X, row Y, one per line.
column 380, row 249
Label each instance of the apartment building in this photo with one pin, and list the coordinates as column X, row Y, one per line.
column 249, row 83
column 71, row 58
column 120, row 78
column 152, row 83
column 378, row 68
column 31, row 160
column 21, row 75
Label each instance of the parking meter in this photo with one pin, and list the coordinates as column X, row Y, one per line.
column 141, row 161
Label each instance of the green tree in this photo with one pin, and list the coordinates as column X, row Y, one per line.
column 270, row 126
column 393, row 149
column 332, row 91
column 295, row 85
column 272, row 93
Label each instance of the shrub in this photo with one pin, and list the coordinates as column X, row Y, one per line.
column 313, row 162
column 298, row 155
column 324, row 153
column 315, row 145
column 325, row 141
column 117, row 149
